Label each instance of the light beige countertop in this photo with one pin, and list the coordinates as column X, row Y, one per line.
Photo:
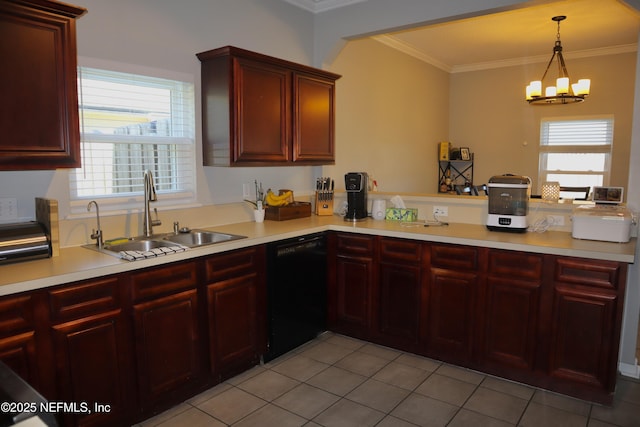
column 78, row 263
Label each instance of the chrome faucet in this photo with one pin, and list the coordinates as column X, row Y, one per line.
column 149, row 196
column 96, row 234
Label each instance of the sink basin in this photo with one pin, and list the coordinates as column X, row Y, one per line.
column 196, row 238
column 137, row 245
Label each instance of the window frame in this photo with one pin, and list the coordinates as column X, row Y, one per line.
column 128, row 202
column 545, row 149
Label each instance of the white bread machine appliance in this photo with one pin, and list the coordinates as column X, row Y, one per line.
column 508, row 203
column 600, row 222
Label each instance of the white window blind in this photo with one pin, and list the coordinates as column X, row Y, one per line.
column 576, row 153
column 129, row 123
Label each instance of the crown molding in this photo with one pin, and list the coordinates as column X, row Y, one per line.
column 408, row 49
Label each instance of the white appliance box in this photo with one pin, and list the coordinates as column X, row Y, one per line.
column 604, row 223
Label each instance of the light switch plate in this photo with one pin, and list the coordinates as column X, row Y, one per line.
column 8, row 208
column 246, row 192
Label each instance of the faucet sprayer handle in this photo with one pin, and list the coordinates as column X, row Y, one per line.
column 157, row 220
column 150, row 186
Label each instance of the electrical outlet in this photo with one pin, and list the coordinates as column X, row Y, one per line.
column 8, row 208
column 555, row 220
column 246, row 192
column 440, row 211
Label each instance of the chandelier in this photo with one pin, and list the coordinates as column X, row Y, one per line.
column 560, row 93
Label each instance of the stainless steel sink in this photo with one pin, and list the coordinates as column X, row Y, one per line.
column 137, row 245
column 191, row 239
column 195, row 238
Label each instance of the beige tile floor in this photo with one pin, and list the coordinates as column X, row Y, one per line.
column 340, row 381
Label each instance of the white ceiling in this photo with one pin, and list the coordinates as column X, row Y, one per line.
column 592, row 27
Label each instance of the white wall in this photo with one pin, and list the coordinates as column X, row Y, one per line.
column 632, row 298
column 392, row 109
column 498, row 124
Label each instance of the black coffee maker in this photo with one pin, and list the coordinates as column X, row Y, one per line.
column 356, row 185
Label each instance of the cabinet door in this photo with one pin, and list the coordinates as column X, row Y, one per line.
column 234, row 322
column 168, row 348
column 452, row 314
column 92, row 349
column 453, row 293
column 18, row 352
column 313, row 119
column 262, row 112
column 582, row 340
column 397, row 303
column 39, row 108
column 17, row 337
column 510, row 333
column 92, row 365
column 586, row 321
column 512, row 307
column 351, row 300
column 397, row 297
column 351, row 274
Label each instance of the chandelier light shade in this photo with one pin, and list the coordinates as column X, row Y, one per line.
column 563, row 92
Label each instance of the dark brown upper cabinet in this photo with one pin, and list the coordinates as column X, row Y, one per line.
column 258, row 110
column 39, row 107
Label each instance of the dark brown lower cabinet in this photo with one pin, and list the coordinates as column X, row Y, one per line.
column 453, row 286
column 18, row 346
column 352, row 270
column 92, row 367
column 452, row 315
column 587, row 314
column 398, row 295
column 92, row 351
column 167, row 335
column 134, row 344
column 545, row 320
column 512, row 297
column 236, row 295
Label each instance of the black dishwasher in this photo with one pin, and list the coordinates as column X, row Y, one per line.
column 297, row 292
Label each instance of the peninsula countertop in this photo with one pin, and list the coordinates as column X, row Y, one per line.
column 78, row 263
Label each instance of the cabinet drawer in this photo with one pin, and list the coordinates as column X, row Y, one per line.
column 232, row 264
column 462, row 258
column 588, row 272
column 357, row 245
column 16, row 314
column 515, row 264
column 83, row 299
column 163, row 281
column 395, row 250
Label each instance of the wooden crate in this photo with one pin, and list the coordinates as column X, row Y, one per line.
column 291, row 211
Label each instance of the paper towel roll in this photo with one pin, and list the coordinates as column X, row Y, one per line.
column 378, row 209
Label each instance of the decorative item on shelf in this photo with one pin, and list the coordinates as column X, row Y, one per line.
column 443, row 150
column 551, row 191
column 560, row 93
column 457, row 171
